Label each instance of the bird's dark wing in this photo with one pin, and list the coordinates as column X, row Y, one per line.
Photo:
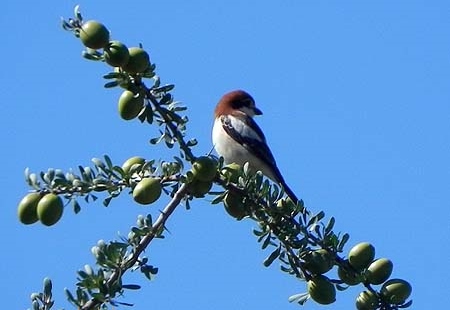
column 254, row 141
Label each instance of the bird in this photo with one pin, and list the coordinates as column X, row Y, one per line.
column 238, row 138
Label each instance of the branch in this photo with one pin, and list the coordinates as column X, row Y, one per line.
column 156, row 227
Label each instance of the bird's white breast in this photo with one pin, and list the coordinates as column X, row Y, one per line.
column 232, row 151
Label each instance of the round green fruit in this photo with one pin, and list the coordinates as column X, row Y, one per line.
column 204, row 168
column 94, row 34
column 361, row 255
column 138, row 62
column 232, row 172
column 130, row 105
column 318, row 261
column 379, row 271
column 234, row 205
column 322, row 290
column 199, row 188
column 116, row 54
column 135, row 160
column 147, row 191
column 396, row 291
column 367, row 300
column 348, row 276
column 27, row 210
column 50, row 209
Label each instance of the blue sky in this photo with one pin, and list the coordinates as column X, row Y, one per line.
column 355, row 96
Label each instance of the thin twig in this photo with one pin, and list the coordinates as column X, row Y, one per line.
column 156, row 227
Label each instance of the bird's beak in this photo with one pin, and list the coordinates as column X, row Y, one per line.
column 257, row 111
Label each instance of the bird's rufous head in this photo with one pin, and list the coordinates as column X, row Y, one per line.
column 237, row 101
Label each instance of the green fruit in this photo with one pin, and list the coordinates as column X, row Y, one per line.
column 135, row 160
column 116, row 54
column 50, row 209
column 396, row 291
column 147, row 191
column 348, row 276
column 232, row 172
column 322, row 290
column 94, row 34
column 199, row 188
column 286, row 205
column 318, row 261
column 234, row 205
column 379, row 271
column 138, row 62
column 367, row 300
column 361, row 255
column 130, row 105
column 27, row 209
column 204, row 168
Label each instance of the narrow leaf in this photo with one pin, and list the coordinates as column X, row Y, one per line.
column 269, row 260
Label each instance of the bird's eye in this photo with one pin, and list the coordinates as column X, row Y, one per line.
column 249, row 103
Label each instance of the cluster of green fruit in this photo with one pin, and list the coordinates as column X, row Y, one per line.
column 360, row 267
column 133, row 61
column 203, row 172
column 148, row 189
column 46, row 208
column 234, row 202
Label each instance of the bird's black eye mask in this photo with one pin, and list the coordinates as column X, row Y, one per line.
column 243, row 103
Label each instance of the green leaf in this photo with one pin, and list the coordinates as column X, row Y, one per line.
column 76, row 206
column 131, row 286
column 77, row 13
column 47, row 287
column 99, row 296
column 274, row 255
column 108, row 162
column 148, row 113
column 165, row 88
column 70, row 297
column 112, row 75
column 156, row 140
column 111, row 84
column 330, row 226
column 299, row 298
column 107, row 201
column 343, row 241
column 267, row 241
column 90, row 56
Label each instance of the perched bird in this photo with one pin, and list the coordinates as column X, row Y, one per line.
column 238, row 139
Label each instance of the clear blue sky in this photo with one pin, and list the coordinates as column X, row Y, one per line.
column 356, row 103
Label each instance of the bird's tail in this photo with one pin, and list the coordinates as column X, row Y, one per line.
column 289, row 192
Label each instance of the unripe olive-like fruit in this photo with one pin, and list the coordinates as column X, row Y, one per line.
column 147, row 191
column 396, row 291
column 94, row 34
column 116, row 54
column 138, row 62
column 287, row 205
column 27, row 209
column 318, row 261
column 322, row 290
column 204, row 168
column 135, row 160
column 198, row 188
column 348, row 276
column 50, row 209
column 361, row 255
column 379, row 271
column 234, row 205
column 367, row 300
column 130, row 105
column 231, row 172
